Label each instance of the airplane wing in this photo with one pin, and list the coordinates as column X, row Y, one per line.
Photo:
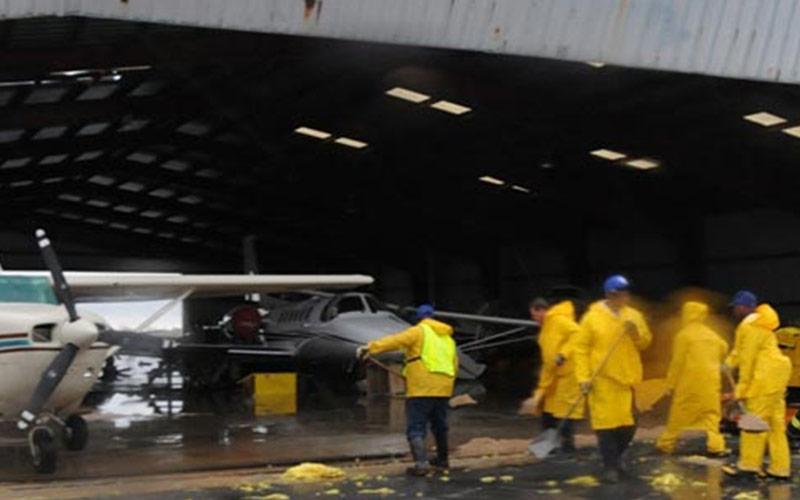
column 114, row 287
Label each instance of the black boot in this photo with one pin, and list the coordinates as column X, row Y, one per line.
column 441, row 462
column 420, row 454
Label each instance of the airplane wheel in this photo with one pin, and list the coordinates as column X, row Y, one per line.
column 43, row 451
column 76, row 433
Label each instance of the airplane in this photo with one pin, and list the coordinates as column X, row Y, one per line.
column 315, row 333
column 52, row 357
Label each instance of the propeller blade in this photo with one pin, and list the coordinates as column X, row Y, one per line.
column 132, row 342
column 60, row 284
column 47, row 384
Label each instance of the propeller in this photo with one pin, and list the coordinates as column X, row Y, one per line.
column 75, row 334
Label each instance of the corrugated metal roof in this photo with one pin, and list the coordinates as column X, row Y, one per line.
column 756, row 39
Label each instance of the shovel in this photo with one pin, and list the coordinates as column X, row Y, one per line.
column 747, row 421
column 546, row 442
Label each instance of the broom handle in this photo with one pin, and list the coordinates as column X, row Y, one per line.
column 386, row 367
column 597, row 371
column 732, row 382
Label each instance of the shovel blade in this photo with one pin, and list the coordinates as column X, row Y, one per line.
column 544, row 443
column 752, row 423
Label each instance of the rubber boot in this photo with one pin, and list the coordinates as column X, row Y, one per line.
column 420, row 454
column 441, row 462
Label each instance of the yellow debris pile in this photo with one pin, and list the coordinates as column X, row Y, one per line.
column 583, row 481
column 667, row 481
column 332, row 492
column 506, row 479
column 254, row 487
column 748, row 495
column 488, row 479
column 309, row 471
column 383, row 492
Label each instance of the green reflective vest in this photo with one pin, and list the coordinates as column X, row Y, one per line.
column 438, row 352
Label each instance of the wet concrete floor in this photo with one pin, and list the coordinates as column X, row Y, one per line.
column 159, row 444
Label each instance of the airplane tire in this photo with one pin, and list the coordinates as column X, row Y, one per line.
column 76, row 433
column 43, row 451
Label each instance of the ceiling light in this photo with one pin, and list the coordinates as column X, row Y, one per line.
column 764, row 119
column 608, row 154
column 407, row 95
column 312, row 132
column 596, row 64
column 520, row 189
column 488, row 179
column 450, row 107
column 642, row 164
column 353, row 143
column 793, row 131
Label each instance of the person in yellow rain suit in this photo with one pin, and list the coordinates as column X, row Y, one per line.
column 694, row 377
column 609, row 340
column 557, row 387
column 764, row 374
column 431, row 361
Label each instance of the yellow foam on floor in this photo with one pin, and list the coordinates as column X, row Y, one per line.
column 666, row 481
column 583, row 481
column 383, row 492
column 506, row 479
column 332, row 492
column 488, row 479
column 310, row 471
column 748, row 495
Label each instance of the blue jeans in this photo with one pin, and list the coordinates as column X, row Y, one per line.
column 422, row 411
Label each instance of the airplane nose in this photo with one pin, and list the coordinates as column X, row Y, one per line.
column 81, row 333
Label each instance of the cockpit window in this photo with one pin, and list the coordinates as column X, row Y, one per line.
column 374, row 304
column 350, row 304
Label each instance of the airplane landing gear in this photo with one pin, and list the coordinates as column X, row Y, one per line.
column 76, row 433
column 43, row 450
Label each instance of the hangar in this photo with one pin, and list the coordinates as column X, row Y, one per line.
column 473, row 171
column 161, row 147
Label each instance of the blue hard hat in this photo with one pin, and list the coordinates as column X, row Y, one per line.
column 425, row 311
column 744, row 298
column 616, row 283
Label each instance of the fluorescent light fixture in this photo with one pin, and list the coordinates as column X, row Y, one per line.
column 488, row 179
column 353, row 143
column 764, row 119
column 793, row 131
column 520, row 189
column 608, row 154
column 642, row 163
column 450, row 107
column 596, row 64
column 407, row 95
column 312, row 132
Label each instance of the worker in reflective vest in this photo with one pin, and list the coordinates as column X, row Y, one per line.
column 431, row 364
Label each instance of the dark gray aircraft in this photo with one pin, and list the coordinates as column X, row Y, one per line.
column 311, row 332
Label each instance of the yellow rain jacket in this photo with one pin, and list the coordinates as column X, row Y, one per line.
column 558, row 383
column 764, row 373
column 420, row 383
column 611, row 397
column 695, row 379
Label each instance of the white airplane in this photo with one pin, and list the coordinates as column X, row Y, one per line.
column 50, row 357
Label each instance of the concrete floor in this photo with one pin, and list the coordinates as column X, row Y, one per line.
column 149, row 445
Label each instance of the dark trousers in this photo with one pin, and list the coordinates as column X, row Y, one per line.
column 567, row 432
column 613, row 443
column 423, row 411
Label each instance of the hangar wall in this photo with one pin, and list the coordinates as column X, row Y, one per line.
column 759, row 250
column 754, row 39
